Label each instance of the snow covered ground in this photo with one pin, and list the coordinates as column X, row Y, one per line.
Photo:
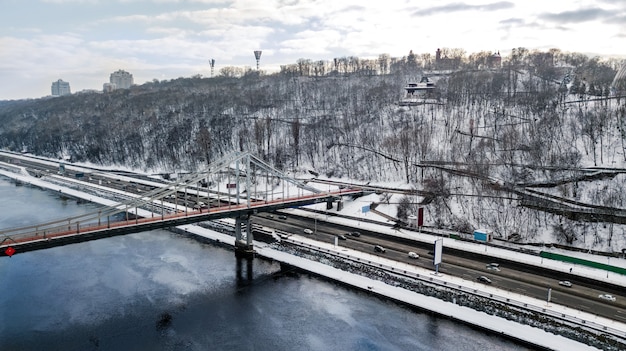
column 496, row 324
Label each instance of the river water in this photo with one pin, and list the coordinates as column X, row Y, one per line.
column 160, row 291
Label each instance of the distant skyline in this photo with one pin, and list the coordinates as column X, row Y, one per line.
column 84, row 41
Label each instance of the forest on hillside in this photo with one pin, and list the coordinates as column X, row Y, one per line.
column 486, row 136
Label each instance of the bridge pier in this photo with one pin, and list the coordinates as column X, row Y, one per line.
column 244, row 274
column 243, row 247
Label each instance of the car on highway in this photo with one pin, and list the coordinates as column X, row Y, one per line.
column 341, row 237
column 308, row 231
column 607, row 297
column 492, row 268
column 566, row 283
column 282, row 217
column 413, row 255
column 354, row 234
column 379, row 248
column 484, row 279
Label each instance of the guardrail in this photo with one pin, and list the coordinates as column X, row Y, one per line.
column 10, row 168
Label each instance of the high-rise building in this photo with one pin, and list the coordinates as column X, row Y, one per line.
column 60, row 88
column 121, row 79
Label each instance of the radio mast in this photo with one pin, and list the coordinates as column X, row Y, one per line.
column 257, row 55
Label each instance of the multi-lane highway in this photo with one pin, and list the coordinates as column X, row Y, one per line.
column 511, row 276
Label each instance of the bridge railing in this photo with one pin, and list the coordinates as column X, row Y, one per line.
column 72, row 226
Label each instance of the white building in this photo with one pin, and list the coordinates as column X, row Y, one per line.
column 60, row 88
column 121, row 79
column 108, row 87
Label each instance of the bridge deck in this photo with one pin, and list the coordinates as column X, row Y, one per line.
column 77, row 232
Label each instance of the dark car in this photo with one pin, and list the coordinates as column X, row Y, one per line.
column 341, row 237
column 355, row 234
column 484, row 279
column 379, row 248
column 282, row 217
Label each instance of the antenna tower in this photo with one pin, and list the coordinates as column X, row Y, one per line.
column 257, row 55
column 212, row 63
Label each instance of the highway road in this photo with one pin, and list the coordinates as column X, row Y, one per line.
column 534, row 282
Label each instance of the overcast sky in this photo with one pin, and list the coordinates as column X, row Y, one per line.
column 83, row 41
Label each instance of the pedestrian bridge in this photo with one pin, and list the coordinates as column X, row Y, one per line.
column 235, row 186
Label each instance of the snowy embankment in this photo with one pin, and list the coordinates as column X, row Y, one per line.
column 496, row 324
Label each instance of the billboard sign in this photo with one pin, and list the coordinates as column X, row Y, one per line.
column 420, row 217
column 438, row 251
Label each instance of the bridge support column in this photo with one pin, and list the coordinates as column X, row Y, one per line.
column 243, row 248
column 244, row 274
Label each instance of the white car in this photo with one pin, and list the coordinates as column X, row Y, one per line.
column 413, row 255
column 565, row 283
column 607, row 297
column 493, row 267
column 308, row 231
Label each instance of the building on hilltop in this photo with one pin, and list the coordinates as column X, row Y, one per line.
column 425, row 87
column 445, row 63
column 121, row 79
column 108, row 87
column 60, row 88
column 495, row 60
column 424, row 92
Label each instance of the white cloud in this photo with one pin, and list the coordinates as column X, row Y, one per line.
column 171, row 34
column 311, row 42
